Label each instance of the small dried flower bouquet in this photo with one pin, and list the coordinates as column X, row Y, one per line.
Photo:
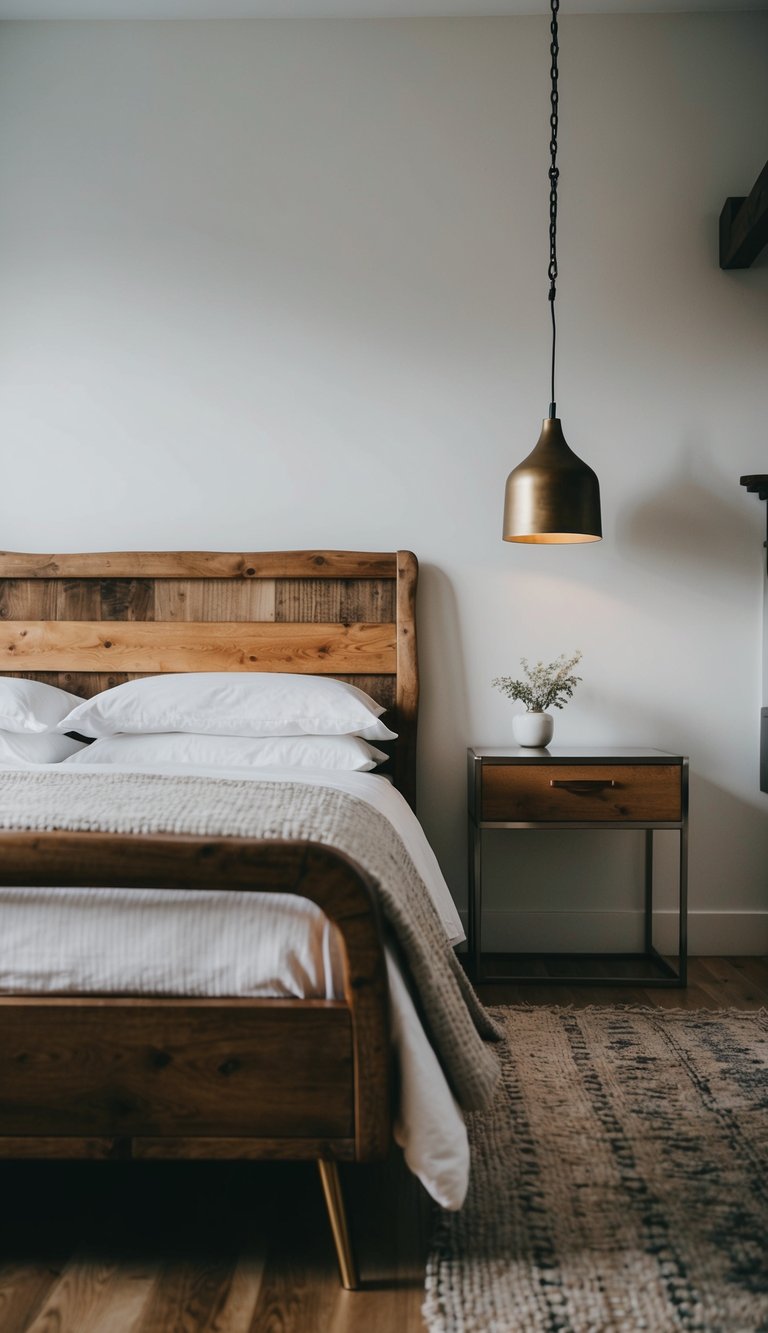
column 544, row 686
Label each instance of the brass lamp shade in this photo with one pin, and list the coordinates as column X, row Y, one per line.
column 552, row 496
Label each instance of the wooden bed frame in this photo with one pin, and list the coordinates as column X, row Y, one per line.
column 115, row 1077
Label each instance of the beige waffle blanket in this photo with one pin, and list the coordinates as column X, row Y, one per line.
column 135, row 803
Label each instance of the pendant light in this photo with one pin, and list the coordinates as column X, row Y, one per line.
column 552, row 496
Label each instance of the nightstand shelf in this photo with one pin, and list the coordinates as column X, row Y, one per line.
column 568, row 788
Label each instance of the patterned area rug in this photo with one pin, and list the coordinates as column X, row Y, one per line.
column 619, row 1183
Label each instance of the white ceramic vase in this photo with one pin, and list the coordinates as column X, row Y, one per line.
column 534, row 729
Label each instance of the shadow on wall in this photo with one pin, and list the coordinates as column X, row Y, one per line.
column 691, row 523
column 742, row 851
column 443, row 723
column 613, row 714
column 441, row 659
column 727, row 863
column 659, row 725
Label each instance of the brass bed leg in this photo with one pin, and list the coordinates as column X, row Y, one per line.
column 337, row 1214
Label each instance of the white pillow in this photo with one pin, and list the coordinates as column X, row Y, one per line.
column 31, row 706
column 339, row 752
column 231, row 703
column 18, row 749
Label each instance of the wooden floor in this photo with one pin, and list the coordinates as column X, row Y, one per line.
column 227, row 1248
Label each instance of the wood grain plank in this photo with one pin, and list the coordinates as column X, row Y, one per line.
column 216, row 599
column 300, row 1287
column 407, row 703
column 381, row 688
column 125, row 1293
column 28, row 599
column 173, row 1148
column 88, row 683
column 24, row 1288
column 199, row 565
column 38, row 1147
column 699, row 994
column 723, row 980
column 189, row 1296
column 341, row 600
column 123, row 1071
column 78, row 599
column 82, row 683
column 236, row 1308
column 308, row 599
column 217, row 1149
column 194, row 646
column 74, row 682
column 392, row 1258
column 126, row 599
column 694, row 996
column 89, row 1293
column 282, row 1010
column 753, row 972
column 300, row 1290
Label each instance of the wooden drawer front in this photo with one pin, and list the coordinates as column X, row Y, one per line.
column 518, row 793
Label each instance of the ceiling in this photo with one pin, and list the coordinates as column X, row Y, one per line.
column 225, row 9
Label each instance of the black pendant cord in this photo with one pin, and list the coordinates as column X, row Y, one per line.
column 552, row 403
column 554, row 174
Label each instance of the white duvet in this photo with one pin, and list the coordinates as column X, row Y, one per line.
column 168, row 942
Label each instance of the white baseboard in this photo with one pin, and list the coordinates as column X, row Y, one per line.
column 596, row 932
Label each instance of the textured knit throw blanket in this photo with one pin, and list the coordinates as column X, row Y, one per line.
column 222, row 807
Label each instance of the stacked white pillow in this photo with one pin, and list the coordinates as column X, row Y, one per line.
column 244, row 719
column 30, row 713
column 178, row 747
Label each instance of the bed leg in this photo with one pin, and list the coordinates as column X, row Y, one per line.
column 337, row 1214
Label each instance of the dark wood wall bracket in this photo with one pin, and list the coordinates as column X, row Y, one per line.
column 744, row 225
column 757, row 484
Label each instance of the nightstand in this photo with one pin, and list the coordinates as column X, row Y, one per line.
column 566, row 788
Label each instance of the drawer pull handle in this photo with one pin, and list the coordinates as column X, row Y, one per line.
column 582, row 786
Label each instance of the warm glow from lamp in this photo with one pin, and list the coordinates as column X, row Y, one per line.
column 553, row 538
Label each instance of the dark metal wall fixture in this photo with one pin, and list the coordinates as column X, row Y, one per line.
column 552, row 496
column 757, row 484
column 744, row 225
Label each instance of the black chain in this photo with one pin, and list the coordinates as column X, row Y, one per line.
column 554, row 175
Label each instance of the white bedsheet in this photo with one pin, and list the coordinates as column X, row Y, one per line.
column 170, row 942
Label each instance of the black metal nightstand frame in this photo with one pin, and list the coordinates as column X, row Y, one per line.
column 667, row 975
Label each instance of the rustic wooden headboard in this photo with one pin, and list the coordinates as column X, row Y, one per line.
column 88, row 622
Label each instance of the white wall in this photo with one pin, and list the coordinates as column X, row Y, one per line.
column 283, row 284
